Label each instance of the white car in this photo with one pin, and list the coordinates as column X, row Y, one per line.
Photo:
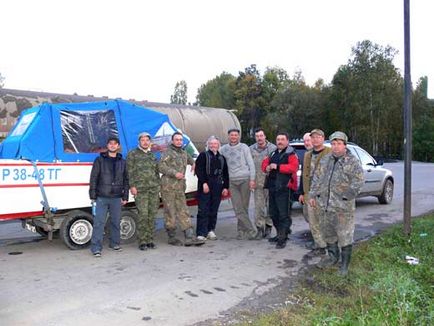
column 379, row 181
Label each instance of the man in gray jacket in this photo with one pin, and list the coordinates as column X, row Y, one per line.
column 241, row 181
column 261, row 149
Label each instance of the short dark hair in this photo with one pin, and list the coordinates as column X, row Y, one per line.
column 259, row 129
column 177, row 133
column 283, row 133
column 233, row 130
column 113, row 138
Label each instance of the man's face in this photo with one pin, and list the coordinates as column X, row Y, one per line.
column 177, row 141
column 281, row 142
column 338, row 147
column 317, row 140
column 145, row 142
column 113, row 146
column 234, row 137
column 307, row 142
column 260, row 138
column 214, row 145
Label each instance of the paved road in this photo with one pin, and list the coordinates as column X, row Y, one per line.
column 43, row 283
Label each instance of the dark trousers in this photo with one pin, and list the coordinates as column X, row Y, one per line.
column 114, row 207
column 207, row 209
column 280, row 209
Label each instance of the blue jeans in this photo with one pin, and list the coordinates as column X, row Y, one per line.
column 104, row 205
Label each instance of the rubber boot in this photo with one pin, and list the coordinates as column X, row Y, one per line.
column 172, row 238
column 190, row 239
column 282, row 237
column 332, row 258
column 267, row 230
column 346, row 257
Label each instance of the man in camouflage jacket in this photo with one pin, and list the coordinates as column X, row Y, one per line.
column 172, row 166
column 334, row 189
column 145, row 187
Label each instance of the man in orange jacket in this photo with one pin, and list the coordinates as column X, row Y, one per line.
column 281, row 166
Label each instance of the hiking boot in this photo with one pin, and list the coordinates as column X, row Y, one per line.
column 151, row 245
column 332, row 258
column 201, row 238
column 97, row 254
column 116, row 248
column 273, row 239
column 191, row 240
column 172, row 238
column 282, row 237
column 346, row 257
column 143, row 246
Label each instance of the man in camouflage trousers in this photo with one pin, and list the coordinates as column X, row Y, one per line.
column 260, row 150
column 334, row 189
column 310, row 165
column 172, row 166
column 145, row 187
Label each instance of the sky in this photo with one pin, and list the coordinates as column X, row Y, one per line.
column 138, row 49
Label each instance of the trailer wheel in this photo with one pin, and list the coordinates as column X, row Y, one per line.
column 76, row 230
column 128, row 226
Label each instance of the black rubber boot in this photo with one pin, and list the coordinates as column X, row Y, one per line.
column 190, row 239
column 332, row 258
column 172, row 238
column 346, row 257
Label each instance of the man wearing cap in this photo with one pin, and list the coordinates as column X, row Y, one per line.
column 108, row 187
column 260, row 150
column 145, row 187
column 172, row 166
column 310, row 164
column 241, row 181
column 335, row 186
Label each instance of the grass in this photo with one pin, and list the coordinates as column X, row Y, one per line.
column 381, row 289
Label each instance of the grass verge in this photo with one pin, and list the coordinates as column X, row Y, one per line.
column 381, row 289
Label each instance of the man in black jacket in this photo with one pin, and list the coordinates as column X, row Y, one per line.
column 109, row 189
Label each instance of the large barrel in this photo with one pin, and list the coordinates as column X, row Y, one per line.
column 198, row 122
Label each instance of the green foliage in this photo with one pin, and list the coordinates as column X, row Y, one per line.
column 180, row 94
column 218, row 92
column 382, row 288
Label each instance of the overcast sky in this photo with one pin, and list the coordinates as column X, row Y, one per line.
column 140, row 49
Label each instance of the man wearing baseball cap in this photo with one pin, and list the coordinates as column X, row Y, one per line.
column 335, row 186
column 310, row 165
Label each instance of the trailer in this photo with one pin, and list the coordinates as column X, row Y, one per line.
column 45, row 164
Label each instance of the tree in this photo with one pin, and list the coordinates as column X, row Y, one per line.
column 180, row 94
column 218, row 92
column 366, row 99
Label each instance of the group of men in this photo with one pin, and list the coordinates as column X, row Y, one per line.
column 331, row 179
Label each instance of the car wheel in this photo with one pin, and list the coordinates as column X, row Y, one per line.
column 387, row 194
column 76, row 230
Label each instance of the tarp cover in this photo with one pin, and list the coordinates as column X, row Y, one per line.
column 78, row 132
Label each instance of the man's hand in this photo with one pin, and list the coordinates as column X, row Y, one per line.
column 312, row 202
column 252, row 184
column 179, row 175
column 123, row 202
column 205, row 188
column 301, row 199
column 133, row 191
column 225, row 192
column 272, row 166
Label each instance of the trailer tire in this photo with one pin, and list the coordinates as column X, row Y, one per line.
column 76, row 230
column 128, row 226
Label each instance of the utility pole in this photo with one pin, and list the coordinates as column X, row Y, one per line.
column 407, row 121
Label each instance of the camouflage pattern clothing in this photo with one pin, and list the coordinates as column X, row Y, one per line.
column 335, row 187
column 310, row 164
column 261, row 195
column 172, row 161
column 143, row 173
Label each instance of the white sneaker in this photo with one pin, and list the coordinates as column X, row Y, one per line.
column 201, row 238
column 211, row 235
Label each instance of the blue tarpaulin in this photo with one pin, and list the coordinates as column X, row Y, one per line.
column 78, row 132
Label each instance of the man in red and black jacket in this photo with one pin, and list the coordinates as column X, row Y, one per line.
column 281, row 166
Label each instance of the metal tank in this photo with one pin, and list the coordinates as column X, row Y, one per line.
column 198, row 122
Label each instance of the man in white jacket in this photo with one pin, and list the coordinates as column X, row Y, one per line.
column 241, row 181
